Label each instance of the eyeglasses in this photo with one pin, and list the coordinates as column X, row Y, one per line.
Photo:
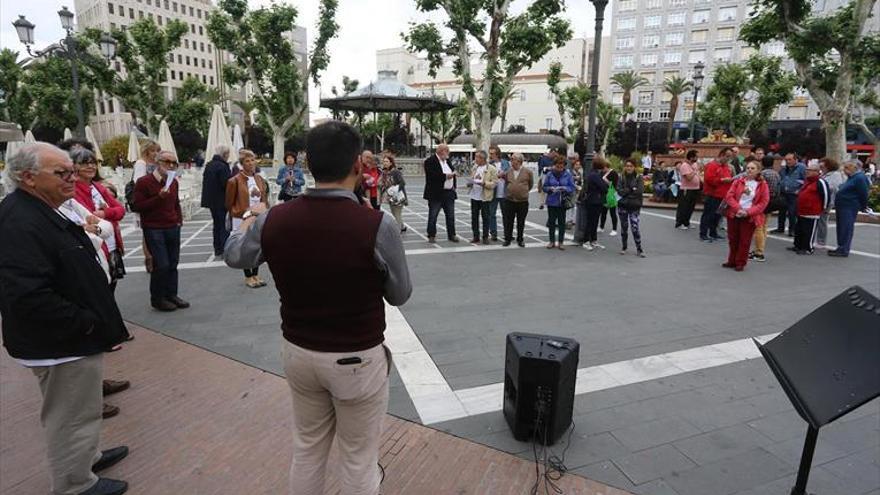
column 169, row 162
column 64, row 175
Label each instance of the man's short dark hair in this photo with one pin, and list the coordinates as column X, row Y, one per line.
column 756, row 148
column 725, row 150
column 331, row 149
column 692, row 155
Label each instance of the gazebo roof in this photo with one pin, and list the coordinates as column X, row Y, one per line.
column 549, row 140
column 387, row 94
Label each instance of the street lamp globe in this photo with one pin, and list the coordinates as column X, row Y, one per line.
column 66, row 17
column 25, row 30
column 698, row 75
column 108, row 46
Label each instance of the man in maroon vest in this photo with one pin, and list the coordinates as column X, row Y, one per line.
column 333, row 261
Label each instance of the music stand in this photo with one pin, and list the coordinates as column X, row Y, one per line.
column 827, row 364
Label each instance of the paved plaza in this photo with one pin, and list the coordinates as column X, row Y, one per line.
column 672, row 396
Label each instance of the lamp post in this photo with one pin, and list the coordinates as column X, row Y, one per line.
column 599, row 5
column 25, row 30
column 698, row 83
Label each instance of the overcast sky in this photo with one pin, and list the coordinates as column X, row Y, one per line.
column 365, row 26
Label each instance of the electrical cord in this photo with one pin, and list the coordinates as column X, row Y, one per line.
column 554, row 466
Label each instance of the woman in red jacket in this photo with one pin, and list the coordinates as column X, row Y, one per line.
column 745, row 202
column 101, row 203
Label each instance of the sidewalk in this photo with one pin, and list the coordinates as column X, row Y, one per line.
column 199, row 423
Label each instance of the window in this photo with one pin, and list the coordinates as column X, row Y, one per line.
column 664, row 115
column 187, row 60
column 150, row 2
column 652, row 22
column 112, row 26
column 191, row 12
column 150, row 15
column 131, row 13
column 775, row 49
column 522, row 95
column 646, row 97
column 110, row 8
column 696, row 56
column 204, row 79
column 101, row 104
column 677, row 3
column 723, row 54
column 166, row 4
column 160, row 20
column 649, row 59
column 700, row 17
column 699, row 36
column 669, row 74
column 654, row 4
column 676, row 19
column 617, row 98
column 179, row 58
column 548, row 122
column 622, row 61
column 174, row 6
column 110, row 105
column 672, row 58
column 173, row 76
column 211, row 64
column 746, row 52
column 624, row 43
column 209, row 48
column 726, row 34
column 201, row 46
column 171, row 57
column 203, row 63
column 192, row 28
column 186, row 43
column 674, row 39
column 651, row 77
column 212, row 80
column 627, row 6
column 626, row 24
column 650, row 41
column 201, row 31
column 645, row 115
column 199, row 13
column 666, row 97
column 727, row 14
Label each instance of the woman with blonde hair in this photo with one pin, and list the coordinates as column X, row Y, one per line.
column 245, row 190
column 144, row 165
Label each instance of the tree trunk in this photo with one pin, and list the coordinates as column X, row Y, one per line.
column 835, row 134
column 673, row 108
column 277, row 145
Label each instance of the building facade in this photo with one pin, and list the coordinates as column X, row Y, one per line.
column 531, row 106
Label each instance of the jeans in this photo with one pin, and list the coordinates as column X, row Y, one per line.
column 790, row 212
column 822, row 228
column 511, row 210
column 605, row 212
column 218, row 216
column 447, row 204
column 846, row 222
column 710, row 217
column 164, row 245
column 687, row 201
column 493, row 216
column 480, row 209
column 556, row 221
column 739, row 239
column 593, row 214
column 580, row 223
column 631, row 218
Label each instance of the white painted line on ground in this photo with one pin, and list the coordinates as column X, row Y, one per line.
column 771, row 236
column 181, row 266
column 197, row 232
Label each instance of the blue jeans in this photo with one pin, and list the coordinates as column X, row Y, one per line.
column 447, row 204
column 164, row 245
column 218, row 216
column 846, row 222
column 493, row 220
column 710, row 217
column 790, row 212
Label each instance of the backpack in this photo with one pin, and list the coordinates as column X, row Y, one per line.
column 129, row 194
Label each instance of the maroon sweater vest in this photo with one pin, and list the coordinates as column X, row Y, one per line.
column 321, row 252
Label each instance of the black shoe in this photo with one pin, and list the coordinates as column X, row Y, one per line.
column 164, row 305
column 759, row 258
column 109, row 458
column 475, row 240
column 454, row 238
column 485, row 240
column 218, row 253
column 804, row 251
column 432, row 240
column 705, row 239
column 106, row 486
column 521, row 243
column 180, row 303
column 505, row 243
column 494, row 238
column 791, row 234
column 791, row 248
column 837, row 254
column 718, row 238
column 777, row 231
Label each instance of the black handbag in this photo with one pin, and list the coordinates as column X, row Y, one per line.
column 117, row 266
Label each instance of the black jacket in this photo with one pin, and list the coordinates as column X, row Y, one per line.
column 214, row 180
column 630, row 188
column 595, row 188
column 434, row 179
column 54, row 297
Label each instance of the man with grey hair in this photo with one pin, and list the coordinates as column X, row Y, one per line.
column 440, row 192
column 851, row 198
column 516, row 203
column 59, row 316
column 214, row 180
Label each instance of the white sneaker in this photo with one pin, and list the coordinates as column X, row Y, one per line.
column 598, row 246
column 683, row 227
column 613, row 233
column 588, row 246
column 600, row 229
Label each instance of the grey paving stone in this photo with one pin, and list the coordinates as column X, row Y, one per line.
column 730, row 475
column 475, row 426
column 654, row 433
column 606, row 472
column 654, row 463
column 503, row 440
column 857, row 471
column 589, row 449
column 821, row 482
column 720, row 416
column 781, row 426
column 853, row 436
column 656, row 487
column 721, row 444
column 790, row 451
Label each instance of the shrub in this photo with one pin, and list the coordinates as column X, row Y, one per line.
column 874, row 197
column 112, row 148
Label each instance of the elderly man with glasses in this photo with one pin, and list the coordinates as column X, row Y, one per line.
column 156, row 199
column 59, row 316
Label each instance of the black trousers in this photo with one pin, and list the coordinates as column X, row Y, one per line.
column 593, row 214
column 480, row 209
column 218, row 216
column 511, row 210
column 687, row 201
column 805, row 233
column 613, row 212
column 710, row 217
column 447, row 204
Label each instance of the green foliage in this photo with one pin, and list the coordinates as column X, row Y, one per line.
column 572, row 102
column 445, row 126
column 143, row 50
column 191, row 108
column 607, row 118
column 675, row 86
column 744, row 96
column 628, row 81
column 114, row 148
column 16, row 103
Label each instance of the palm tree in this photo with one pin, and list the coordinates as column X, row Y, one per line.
column 675, row 86
column 628, row 81
column 508, row 93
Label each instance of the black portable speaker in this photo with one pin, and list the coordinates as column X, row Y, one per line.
column 539, row 380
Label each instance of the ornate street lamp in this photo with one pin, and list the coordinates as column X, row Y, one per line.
column 599, row 5
column 698, row 83
column 25, row 30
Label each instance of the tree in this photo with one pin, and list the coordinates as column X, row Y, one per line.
column 607, row 116
column 572, row 103
column 508, row 92
column 191, row 108
column 247, row 108
column 509, row 44
column 263, row 56
column 866, row 101
column 144, row 51
column 743, row 96
column 829, row 53
column 375, row 130
column 16, row 103
column 675, row 86
column 445, row 126
column 628, row 81
column 349, row 86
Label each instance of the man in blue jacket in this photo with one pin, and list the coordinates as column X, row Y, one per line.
column 791, row 180
column 214, row 194
column 851, row 198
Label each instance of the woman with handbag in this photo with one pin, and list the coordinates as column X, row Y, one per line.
column 559, row 186
column 744, row 206
column 394, row 189
column 245, row 190
column 630, row 187
column 290, row 178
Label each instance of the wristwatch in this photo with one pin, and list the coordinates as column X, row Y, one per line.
column 247, row 215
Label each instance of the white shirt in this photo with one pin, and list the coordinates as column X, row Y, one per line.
column 446, row 170
column 646, row 162
column 477, row 190
column 515, row 172
column 252, row 184
column 100, row 204
column 748, row 195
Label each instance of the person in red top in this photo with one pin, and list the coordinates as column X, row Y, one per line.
column 811, row 202
column 155, row 198
column 370, row 178
column 745, row 201
column 716, row 182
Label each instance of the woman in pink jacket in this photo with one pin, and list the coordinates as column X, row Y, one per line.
column 744, row 203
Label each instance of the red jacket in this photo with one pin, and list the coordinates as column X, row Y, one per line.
column 759, row 202
column 712, row 185
column 813, row 198
column 371, row 178
column 113, row 213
